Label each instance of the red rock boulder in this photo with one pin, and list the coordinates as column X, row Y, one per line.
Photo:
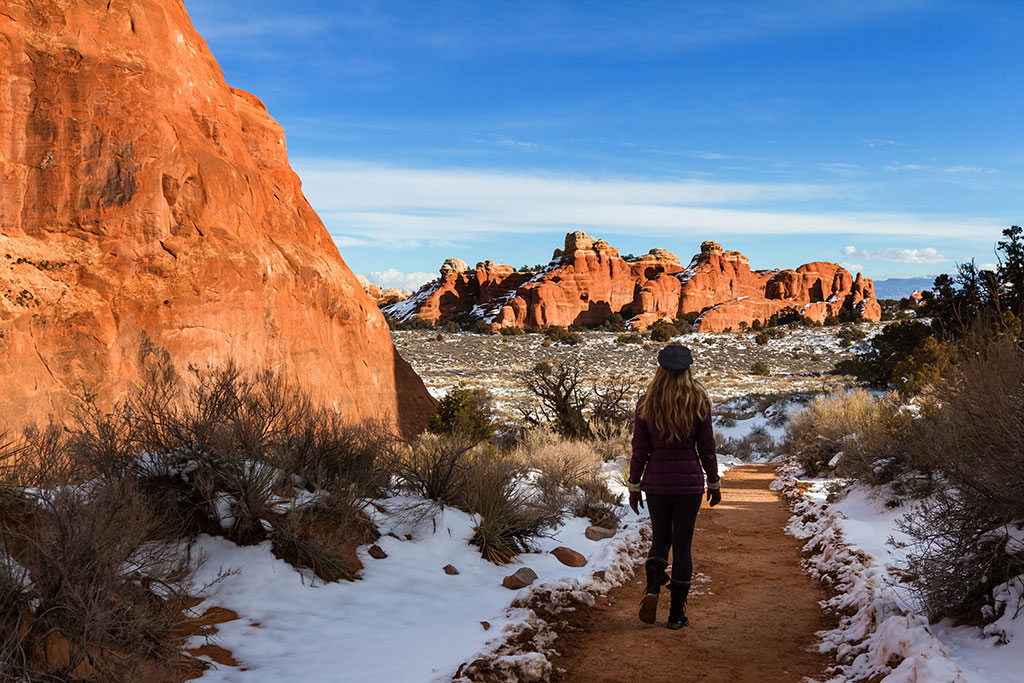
column 146, row 206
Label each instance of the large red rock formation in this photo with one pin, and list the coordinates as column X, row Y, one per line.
column 147, row 207
column 588, row 280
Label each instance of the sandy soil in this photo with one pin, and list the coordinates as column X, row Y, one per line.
column 753, row 613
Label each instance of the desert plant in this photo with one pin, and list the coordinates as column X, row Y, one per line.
column 507, row 519
column 464, row 411
column 886, row 350
column 757, row 444
column 818, row 434
column 630, row 338
column 612, row 401
column 928, row 364
column 663, row 331
column 960, row 538
column 436, row 467
column 611, row 440
column 767, row 334
column 89, row 590
column 561, row 397
column 560, row 335
column 759, row 367
column 569, row 476
column 850, row 334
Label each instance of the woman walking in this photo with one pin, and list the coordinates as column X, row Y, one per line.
column 673, row 441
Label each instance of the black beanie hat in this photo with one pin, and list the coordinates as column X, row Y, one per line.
column 675, row 358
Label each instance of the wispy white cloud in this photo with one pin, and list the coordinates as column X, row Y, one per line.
column 879, row 142
column 852, row 267
column 969, row 169
column 505, row 141
column 388, row 205
column 924, row 255
column 841, row 169
column 396, row 278
column 897, row 167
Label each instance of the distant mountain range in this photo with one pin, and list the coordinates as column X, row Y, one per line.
column 899, row 287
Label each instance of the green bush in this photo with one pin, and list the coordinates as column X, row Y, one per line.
column 849, row 334
column 930, row 363
column 760, row 368
column 887, row 349
column 663, row 331
column 464, row 411
column 511, row 331
column 613, row 323
column 560, row 335
column 767, row 334
column 631, row 338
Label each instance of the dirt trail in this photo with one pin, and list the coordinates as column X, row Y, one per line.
column 753, row 613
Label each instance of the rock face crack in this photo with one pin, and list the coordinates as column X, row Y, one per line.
column 121, row 185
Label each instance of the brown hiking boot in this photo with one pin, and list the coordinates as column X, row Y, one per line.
column 656, row 578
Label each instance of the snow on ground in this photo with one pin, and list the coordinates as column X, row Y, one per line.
column 405, row 620
column 882, row 623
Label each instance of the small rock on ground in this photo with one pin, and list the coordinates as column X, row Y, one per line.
column 569, row 557
column 376, row 552
column 520, row 579
column 597, row 533
column 450, row 570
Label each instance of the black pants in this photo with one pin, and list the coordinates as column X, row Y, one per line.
column 672, row 520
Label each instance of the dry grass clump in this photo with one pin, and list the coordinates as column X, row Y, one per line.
column 612, row 440
column 818, row 434
column 509, row 518
column 569, row 475
column 516, row 495
column 437, row 466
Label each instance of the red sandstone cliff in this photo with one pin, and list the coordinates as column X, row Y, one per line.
column 145, row 205
column 588, row 280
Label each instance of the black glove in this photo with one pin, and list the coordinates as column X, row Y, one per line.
column 714, row 496
column 636, row 501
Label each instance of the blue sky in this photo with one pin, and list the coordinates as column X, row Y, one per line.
column 882, row 135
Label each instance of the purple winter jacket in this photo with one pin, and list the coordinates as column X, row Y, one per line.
column 672, row 466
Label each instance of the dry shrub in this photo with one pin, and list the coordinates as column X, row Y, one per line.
column 306, row 537
column 508, row 517
column 962, row 546
column 569, row 476
column 219, row 448
column 612, row 440
column 86, row 589
column 827, row 426
column 757, row 444
column 436, row 467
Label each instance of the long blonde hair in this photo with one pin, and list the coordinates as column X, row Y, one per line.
column 674, row 403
